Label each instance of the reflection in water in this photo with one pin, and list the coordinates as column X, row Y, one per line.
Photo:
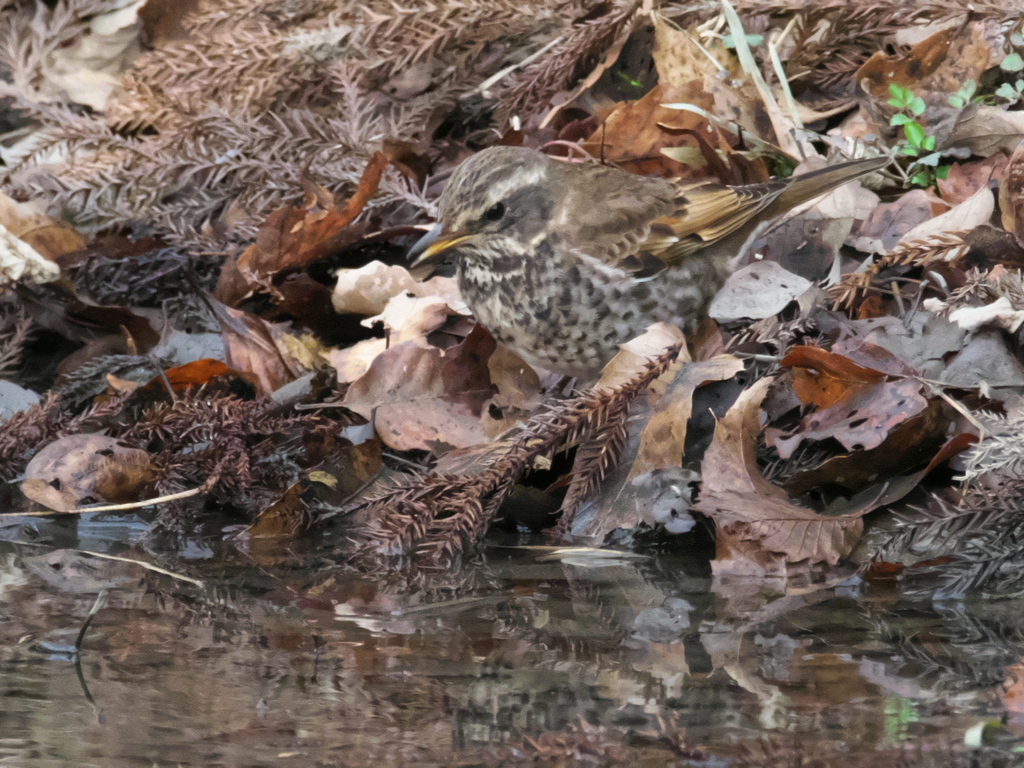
column 518, row 657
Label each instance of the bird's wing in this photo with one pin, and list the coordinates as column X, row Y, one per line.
column 705, row 213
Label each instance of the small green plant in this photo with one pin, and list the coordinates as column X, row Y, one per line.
column 963, row 97
column 1013, row 92
column 925, row 168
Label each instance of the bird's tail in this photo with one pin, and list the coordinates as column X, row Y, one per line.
column 812, row 184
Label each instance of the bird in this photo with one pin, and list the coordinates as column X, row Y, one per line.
column 563, row 262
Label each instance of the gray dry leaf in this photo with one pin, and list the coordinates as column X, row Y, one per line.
column 986, row 130
column 971, row 213
column 889, row 222
column 759, row 290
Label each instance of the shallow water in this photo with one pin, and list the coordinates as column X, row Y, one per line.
column 515, row 659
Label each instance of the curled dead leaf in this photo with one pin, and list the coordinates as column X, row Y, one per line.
column 85, row 469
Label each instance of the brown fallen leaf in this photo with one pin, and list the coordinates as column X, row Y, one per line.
column 424, row 398
column 856, row 404
column 932, row 70
column 286, row 516
column 293, row 237
column 85, row 469
column 250, row 346
column 663, row 438
column 635, row 132
column 757, row 523
column 1011, row 195
column 47, row 236
column 964, row 179
column 987, row 130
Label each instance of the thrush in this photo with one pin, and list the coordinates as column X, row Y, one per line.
column 563, row 262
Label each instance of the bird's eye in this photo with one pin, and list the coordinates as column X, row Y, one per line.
column 495, row 212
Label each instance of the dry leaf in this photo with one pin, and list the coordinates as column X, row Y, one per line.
column 1011, row 196
column 636, row 354
column 972, row 212
column 424, row 398
column 856, row 404
column 47, row 236
column 85, row 469
column 755, row 520
column 663, row 438
column 756, row 291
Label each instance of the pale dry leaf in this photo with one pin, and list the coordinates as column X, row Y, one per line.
column 679, row 59
column 368, row 289
column 1011, row 195
column 756, row 291
column 999, row 314
column 86, row 72
column 27, row 222
column 636, row 355
column 19, row 260
column 971, row 213
column 411, row 318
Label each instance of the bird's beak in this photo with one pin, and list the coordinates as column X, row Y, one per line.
column 433, row 244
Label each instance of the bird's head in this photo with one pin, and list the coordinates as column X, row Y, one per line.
column 493, row 207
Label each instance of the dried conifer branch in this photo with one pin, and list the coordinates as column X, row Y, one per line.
column 983, row 287
column 12, row 346
column 439, row 515
column 853, row 288
column 595, row 459
column 574, row 57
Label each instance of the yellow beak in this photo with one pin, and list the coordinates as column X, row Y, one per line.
column 433, row 244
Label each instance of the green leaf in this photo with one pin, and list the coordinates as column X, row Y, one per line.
column 914, row 133
column 899, row 120
column 906, row 149
column 956, row 101
column 752, row 40
column 921, row 179
column 1012, row 63
column 928, row 143
column 916, row 106
column 1005, row 91
column 901, row 97
column 1017, row 38
column 942, row 171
